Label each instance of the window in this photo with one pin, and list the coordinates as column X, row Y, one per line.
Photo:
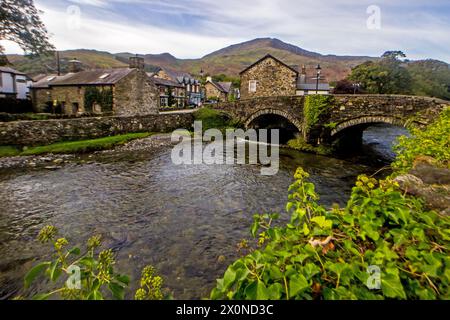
column 252, row 85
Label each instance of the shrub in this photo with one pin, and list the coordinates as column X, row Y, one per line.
column 333, row 254
column 88, row 276
column 315, row 106
column 434, row 142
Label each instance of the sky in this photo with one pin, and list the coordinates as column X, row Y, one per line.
column 194, row 28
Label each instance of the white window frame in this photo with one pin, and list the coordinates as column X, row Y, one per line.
column 252, row 86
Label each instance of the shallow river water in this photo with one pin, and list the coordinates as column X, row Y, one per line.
column 180, row 219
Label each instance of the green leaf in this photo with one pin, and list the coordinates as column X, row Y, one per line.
column 229, row 278
column 42, row 296
column 55, row 271
column 123, row 279
column 257, row 290
column 34, row 272
column 297, row 283
column 322, row 222
column 306, row 230
column 95, row 295
column 391, row 284
column 117, row 291
column 75, row 251
column 276, row 291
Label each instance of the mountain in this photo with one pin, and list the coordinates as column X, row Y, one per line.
column 229, row 61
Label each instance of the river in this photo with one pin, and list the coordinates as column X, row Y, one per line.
column 184, row 220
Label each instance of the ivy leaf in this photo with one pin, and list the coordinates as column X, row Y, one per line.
column 275, row 291
column 229, row 278
column 306, row 230
column 322, row 222
column 391, row 284
column 297, row 283
column 95, row 295
column 55, row 271
column 257, row 290
column 117, row 291
column 75, row 251
column 34, row 272
column 123, row 279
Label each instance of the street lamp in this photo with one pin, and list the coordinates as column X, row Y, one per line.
column 319, row 72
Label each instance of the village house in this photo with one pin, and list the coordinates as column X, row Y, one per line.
column 269, row 77
column 121, row 91
column 218, row 91
column 171, row 93
column 14, row 84
column 192, row 85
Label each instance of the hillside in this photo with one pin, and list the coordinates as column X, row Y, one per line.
column 229, row 61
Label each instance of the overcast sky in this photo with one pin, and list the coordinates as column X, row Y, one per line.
column 194, row 28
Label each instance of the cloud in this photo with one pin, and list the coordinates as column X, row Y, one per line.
column 190, row 29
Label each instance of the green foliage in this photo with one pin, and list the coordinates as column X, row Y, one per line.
column 300, row 144
column 390, row 75
column 103, row 97
column 328, row 254
column 213, row 119
column 81, row 146
column 87, row 276
column 315, row 106
column 433, row 142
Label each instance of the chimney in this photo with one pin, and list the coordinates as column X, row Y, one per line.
column 137, row 63
column 74, row 66
column 303, row 75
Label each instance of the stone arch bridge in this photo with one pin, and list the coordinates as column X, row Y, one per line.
column 347, row 115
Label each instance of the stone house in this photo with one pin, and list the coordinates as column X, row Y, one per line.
column 121, row 91
column 271, row 77
column 192, row 85
column 220, row 91
column 171, row 93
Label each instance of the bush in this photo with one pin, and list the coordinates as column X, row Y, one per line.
column 433, row 142
column 315, row 106
column 383, row 245
column 88, row 276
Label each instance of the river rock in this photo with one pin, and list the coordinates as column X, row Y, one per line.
column 429, row 183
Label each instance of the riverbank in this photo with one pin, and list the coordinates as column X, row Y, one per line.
column 54, row 156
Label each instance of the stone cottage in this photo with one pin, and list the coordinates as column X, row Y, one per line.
column 171, row 93
column 121, row 91
column 220, row 91
column 192, row 85
column 269, row 77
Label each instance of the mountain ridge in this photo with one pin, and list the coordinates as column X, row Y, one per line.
column 229, row 60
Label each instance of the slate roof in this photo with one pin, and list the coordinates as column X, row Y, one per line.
column 313, row 86
column 11, row 70
column 180, row 77
column 222, row 86
column 168, row 83
column 267, row 56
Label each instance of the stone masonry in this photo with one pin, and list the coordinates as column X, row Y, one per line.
column 273, row 78
column 32, row 133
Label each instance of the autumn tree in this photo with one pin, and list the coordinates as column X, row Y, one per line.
column 20, row 23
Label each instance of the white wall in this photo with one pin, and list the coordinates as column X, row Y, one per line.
column 7, row 83
column 21, row 87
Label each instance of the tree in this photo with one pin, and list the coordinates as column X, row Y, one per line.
column 346, row 87
column 386, row 76
column 20, row 23
column 393, row 55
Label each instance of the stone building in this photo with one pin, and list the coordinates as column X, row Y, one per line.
column 270, row 77
column 171, row 93
column 121, row 91
column 192, row 85
column 220, row 91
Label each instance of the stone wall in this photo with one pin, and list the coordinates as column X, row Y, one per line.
column 136, row 94
column 273, row 79
column 31, row 133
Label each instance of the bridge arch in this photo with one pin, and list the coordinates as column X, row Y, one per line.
column 263, row 112
column 367, row 121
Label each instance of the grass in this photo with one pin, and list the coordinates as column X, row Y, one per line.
column 81, row 146
column 213, row 119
